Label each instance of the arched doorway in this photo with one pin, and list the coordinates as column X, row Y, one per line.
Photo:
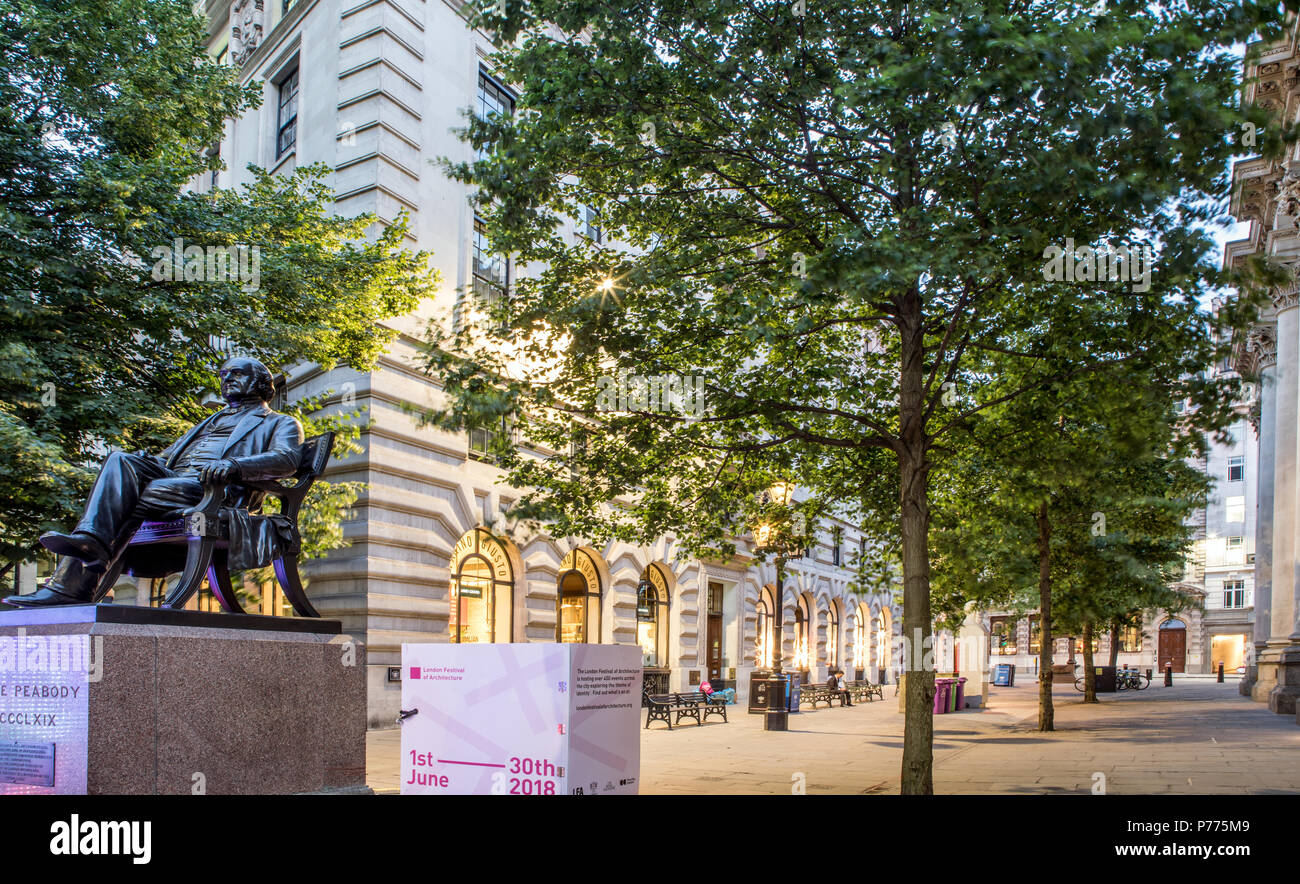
column 577, row 599
column 481, row 594
column 1172, row 645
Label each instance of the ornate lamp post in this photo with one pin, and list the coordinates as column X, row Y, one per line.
column 774, row 537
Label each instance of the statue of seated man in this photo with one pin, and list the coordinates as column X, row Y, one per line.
column 244, row 440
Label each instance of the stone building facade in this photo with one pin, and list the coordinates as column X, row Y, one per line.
column 373, row 89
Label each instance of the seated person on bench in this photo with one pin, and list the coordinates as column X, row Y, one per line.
column 833, row 684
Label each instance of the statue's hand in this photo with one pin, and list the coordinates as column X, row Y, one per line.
column 219, row 471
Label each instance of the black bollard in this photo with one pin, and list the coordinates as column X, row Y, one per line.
column 1169, row 675
column 1220, row 672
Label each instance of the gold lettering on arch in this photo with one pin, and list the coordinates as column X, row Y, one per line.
column 657, row 580
column 581, row 562
column 481, row 541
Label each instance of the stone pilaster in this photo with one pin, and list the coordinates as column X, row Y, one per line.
column 1263, row 346
column 1279, row 662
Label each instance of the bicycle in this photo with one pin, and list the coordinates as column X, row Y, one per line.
column 1132, row 678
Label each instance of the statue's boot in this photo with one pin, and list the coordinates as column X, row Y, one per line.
column 78, row 545
column 72, row 583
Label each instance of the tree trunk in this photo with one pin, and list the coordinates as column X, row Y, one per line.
column 917, row 776
column 1089, row 671
column 1045, row 711
column 1114, row 642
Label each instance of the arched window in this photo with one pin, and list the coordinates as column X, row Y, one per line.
column 763, row 638
column 882, row 639
column 652, row 618
column 577, row 600
column 801, row 628
column 859, row 641
column 832, row 636
column 481, row 594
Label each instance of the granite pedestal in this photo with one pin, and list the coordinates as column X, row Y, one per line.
column 178, row 702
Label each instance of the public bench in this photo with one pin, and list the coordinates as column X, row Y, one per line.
column 865, row 690
column 695, row 705
column 814, row 694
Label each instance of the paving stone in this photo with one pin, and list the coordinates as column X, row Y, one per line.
column 1149, row 741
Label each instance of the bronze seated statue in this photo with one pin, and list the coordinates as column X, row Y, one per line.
column 210, row 479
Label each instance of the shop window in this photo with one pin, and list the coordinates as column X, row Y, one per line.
column 832, row 636
column 652, row 618
column 763, row 637
column 578, row 600
column 481, row 591
column 801, row 625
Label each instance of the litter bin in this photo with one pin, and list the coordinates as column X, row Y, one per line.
column 1104, row 679
column 942, row 695
column 959, row 702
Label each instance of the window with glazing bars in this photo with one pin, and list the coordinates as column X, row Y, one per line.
column 287, row 119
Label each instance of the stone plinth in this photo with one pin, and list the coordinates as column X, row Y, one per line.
column 179, row 702
column 1282, row 665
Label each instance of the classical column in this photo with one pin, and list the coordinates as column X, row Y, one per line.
column 1263, row 347
column 1279, row 663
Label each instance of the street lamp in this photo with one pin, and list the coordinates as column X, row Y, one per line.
column 770, row 538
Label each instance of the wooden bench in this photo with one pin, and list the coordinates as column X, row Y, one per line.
column 196, row 544
column 865, row 690
column 662, row 707
column 814, row 694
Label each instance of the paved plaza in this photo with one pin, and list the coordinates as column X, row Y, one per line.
column 1195, row 737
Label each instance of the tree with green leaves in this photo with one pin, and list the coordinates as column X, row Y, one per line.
column 1144, row 506
column 829, row 215
column 121, row 288
column 1074, row 499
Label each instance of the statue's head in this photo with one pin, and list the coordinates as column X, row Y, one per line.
column 244, row 379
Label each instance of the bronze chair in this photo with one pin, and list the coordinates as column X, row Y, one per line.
column 196, row 544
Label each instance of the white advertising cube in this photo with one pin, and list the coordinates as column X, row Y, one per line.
column 521, row 719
